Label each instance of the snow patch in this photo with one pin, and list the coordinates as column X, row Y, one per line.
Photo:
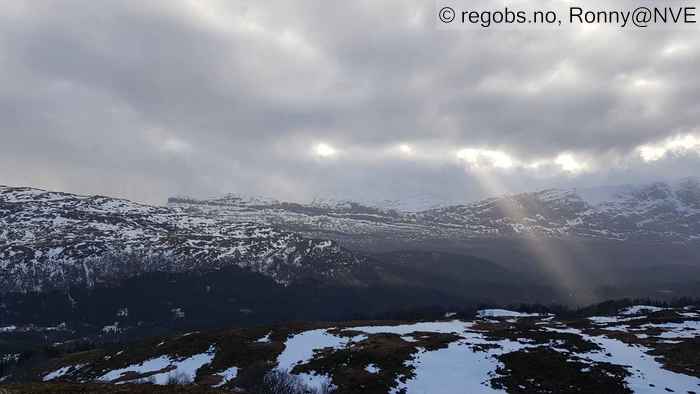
column 644, row 369
column 227, row 376
column 300, row 348
column 265, row 339
column 504, row 313
column 60, row 372
column 455, row 326
column 640, row 309
column 187, row 367
column 457, row 368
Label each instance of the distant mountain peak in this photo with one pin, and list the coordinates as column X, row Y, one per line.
column 229, row 199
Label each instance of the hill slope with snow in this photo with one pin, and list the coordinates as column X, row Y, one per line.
column 50, row 240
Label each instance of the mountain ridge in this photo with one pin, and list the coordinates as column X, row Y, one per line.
column 592, row 195
column 658, row 211
column 53, row 239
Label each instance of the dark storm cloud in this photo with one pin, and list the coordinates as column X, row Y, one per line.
column 149, row 99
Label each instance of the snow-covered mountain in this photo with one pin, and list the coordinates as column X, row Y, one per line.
column 658, row 211
column 50, row 239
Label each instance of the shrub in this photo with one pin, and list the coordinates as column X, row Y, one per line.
column 279, row 382
column 178, row 378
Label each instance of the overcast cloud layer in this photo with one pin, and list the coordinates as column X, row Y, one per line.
column 364, row 99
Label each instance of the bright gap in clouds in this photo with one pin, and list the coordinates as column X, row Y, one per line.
column 324, row 150
column 174, row 145
column 405, row 149
column 651, row 153
column 679, row 145
column 485, row 157
column 568, row 163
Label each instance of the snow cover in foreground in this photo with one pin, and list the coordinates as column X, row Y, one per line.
column 300, row 348
column 644, row 369
column 468, row 363
column 687, row 329
column 187, row 367
column 460, row 368
column 457, row 368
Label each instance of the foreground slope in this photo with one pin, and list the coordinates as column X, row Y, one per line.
column 641, row 349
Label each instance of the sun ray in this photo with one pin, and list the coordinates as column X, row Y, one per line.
column 549, row 255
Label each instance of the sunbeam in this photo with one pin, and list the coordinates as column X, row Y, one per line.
column 552, row 257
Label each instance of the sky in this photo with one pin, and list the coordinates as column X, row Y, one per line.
column 352, row 99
